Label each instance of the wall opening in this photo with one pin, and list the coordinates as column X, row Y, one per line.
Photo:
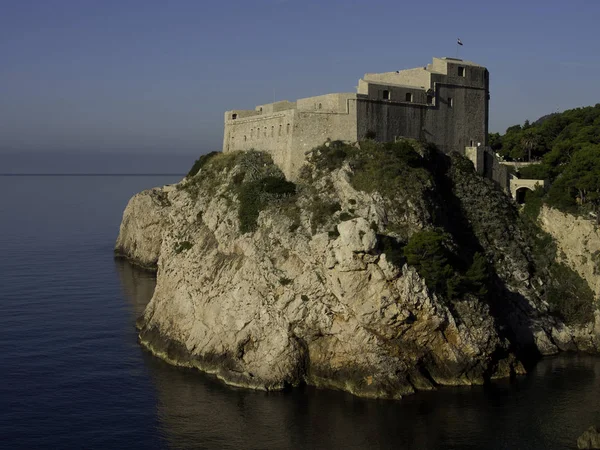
column 279, row 129
column 288, row 129
column 409, row 97
column 461, row 71
column 450, row 102
column 429, row 99
column 521, row 195
column 233, row 116
column 245, row 138
column 320, row 106
column 272, row 130
column 386, row 95
column 265, row 132
column 251, row 133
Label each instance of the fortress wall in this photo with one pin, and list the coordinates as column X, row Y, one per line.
column 269, row 133
column 334, row 103
column 418, row 77
column 451, row 128
column 312, row 129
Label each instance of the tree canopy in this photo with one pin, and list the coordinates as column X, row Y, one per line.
column 568, row 147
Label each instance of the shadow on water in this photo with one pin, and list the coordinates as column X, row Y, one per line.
column 547, row 409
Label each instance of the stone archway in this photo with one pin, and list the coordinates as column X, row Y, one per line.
column 520, row 194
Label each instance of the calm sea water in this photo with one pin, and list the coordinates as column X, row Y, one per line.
column 72, row 374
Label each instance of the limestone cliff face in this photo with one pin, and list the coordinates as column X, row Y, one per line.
column 578, row 242
column 311, row 294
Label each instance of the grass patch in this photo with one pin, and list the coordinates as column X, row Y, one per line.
column 254, row 196
column 182, row 246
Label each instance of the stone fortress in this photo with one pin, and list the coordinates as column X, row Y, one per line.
column 446, row 103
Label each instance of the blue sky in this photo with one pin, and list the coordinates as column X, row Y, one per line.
column 156, row 76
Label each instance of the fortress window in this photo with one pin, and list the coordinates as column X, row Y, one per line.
column 272, row 130
column 251, row 133
column 288, row 128
column 386, row 95
column 429, row 99
column 233, row 116
column 279, row 129
column 265, row 132
column 461, row 71
column 245, row 138
column 409, row 97
column 320, row 106
column 450, row 102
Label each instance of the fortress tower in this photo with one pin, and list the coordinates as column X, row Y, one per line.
column 445, row 102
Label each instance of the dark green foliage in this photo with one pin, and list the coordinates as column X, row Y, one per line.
column 304, row 298
column 345, row 216
column 428, row 252
column 569, row 295
column 568, row 145
column 333, row 234
column 533, row 202
column 285, row 281
column 255, row 195
column 393, row 249
column 321, row 211
column 200, row 162
column 182, row 246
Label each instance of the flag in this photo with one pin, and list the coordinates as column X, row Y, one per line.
column 459, row 42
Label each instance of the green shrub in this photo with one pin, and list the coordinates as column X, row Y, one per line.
column 255, row 195
column 569, row 296
column 427, row 252
column 534, row 201
column 321, row 211
column 285, row 281
column 182, row 246
column 199, row 163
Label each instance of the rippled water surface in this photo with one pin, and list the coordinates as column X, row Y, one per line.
column 73, row 376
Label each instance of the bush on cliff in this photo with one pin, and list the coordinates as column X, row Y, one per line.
column 199, row 163
column 255, row 195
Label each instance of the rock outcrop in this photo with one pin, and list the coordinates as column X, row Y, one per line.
column 317, row 290
column 578, row 242
column 589, row 439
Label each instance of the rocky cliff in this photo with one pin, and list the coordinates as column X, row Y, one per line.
column 578, row 242
column 385, row 269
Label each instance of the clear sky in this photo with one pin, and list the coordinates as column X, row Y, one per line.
column 157, row 75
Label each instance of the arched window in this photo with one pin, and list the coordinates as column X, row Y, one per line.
column 386, row 95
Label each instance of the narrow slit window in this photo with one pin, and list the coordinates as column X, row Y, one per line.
column 461, row 71
column 409, row 97
column 272, row 131
column 245, row 138
column 279, row 129
column 450, row 102
column 386, row 95
column 288, row 129
column 429, row 99
column 251, row 133
column 265, row 132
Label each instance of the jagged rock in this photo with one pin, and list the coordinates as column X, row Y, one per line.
column 589, row 439
column 298, row 300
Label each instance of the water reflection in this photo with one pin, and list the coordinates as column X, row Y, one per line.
column 547, row 409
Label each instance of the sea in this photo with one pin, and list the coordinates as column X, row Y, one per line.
column 73, row 375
